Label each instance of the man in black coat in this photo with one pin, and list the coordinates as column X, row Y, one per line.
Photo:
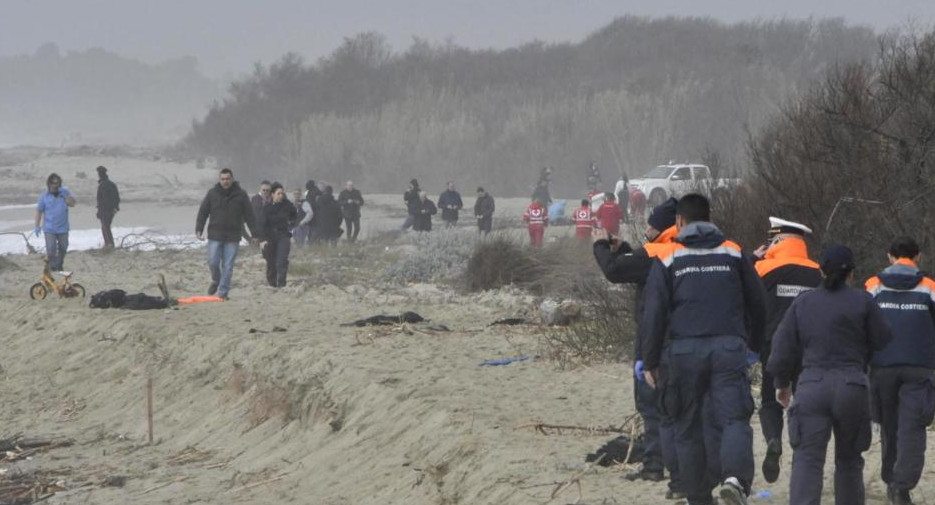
column 413, row 206
column 451, row 204
column 351, row 201
column 424, row 213
column 483, row 210
column 328, row 225
column 226, row 209
column 108, row 203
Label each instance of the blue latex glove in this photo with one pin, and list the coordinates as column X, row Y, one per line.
column 752, row 358
column 638, row 371
column 37, row 231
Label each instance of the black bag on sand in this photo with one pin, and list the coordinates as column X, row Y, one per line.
column 112, row 298
column 615, row 452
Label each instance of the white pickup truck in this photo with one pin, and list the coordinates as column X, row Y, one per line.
column 676, row 180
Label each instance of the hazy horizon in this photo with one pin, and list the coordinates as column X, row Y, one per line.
column 227, row 37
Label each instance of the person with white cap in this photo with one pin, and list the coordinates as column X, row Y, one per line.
column 786, row 271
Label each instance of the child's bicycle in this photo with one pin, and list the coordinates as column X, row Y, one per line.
column 47, row 284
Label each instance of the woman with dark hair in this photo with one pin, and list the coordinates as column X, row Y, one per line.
column 277, row 219
column 830, row 334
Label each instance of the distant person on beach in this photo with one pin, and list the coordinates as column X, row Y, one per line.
column 351, row 201
column 108, row 203
column 536, row 218
column 52, row 218
column 483, row 211
column 451, row 205
column 413, row 206
column 310, row 206
column 261, row 198
column 226, row 209
column 276, row 221
column 299, row 232
column 424, row 212
column 328, row 225
column 609, row 214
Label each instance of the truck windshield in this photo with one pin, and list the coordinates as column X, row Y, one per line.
column 660, row 172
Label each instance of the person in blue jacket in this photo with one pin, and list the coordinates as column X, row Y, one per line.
column 902, row 386
column 52, row 218
column 703, row 307
column 829, row 334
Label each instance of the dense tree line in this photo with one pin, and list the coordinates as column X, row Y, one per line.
column 95, row 96
column 854, row 156
column 634, row 93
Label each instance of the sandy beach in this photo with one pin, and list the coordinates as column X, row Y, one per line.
column 268, row 399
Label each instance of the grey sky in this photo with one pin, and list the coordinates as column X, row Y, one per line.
column 227, row 36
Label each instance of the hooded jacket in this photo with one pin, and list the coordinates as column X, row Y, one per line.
column 229, row 209
column 786, row 272
column 701, row 286
column 629, row 266
column 907, row 298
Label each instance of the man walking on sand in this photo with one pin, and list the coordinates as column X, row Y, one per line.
column 226, row 208
column 108, row 203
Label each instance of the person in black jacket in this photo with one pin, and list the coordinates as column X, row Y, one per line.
column 902, row 385
column 829, row 334
column 310, row 222
column 351, row 201
column 424, row 213
column 703, row 307
column 413, row 204
column 786, row 271
column 226, row 209
column 108, row 203
column 329, row 217
column 483, row 211
column 277, row 218
column 621, row 264
column 450, row 203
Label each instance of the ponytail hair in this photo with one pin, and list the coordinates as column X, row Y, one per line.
column 836, row 279
column 837, row 263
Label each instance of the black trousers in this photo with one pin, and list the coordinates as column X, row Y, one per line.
column 106, row 222
column 484, row 224
column 658, row 444
column 352, row 224
column 903, row 402
column 771, row 412
column 276, row 255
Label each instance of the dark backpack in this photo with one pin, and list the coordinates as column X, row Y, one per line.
column 112, row 298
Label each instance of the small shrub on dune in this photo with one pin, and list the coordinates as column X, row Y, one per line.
column 436, row 256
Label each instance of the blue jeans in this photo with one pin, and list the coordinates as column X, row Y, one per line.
column 221, row 256
column 56, row 245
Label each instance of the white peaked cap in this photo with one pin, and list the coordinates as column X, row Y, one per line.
column 778, row 225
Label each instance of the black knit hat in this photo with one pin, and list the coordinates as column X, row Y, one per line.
column 310, row 184
column 662, row 216
column 837, row 258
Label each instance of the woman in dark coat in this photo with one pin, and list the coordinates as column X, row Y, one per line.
column 330, row 217
column 277, row 219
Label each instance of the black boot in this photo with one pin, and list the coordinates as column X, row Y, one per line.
column 899, row 496
column 771, row 461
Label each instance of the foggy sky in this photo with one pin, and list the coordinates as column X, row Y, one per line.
column 228, row 36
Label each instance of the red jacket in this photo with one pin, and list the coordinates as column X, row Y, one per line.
column 609, row 215
column 536, row 215
column 583, row 218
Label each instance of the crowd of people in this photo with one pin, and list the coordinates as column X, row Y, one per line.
column 835, row 358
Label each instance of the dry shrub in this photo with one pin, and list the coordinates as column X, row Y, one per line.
column 607, row 332
column 557, row 269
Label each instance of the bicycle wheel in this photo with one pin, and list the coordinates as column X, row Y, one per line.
column 37, row 291
column 77, row 291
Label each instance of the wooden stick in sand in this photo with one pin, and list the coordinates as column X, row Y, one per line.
column 149, row 408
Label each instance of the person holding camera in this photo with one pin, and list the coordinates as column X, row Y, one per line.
column 52, row 218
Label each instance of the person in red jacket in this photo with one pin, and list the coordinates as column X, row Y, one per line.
column 584, row 221
column 609, row 214
column 637, row 203
column 536, row 218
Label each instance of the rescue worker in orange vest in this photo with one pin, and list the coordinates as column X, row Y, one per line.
column 902, row 384
column 622, row 264
column 536, row 218
column 584, row 221
column 783, row 265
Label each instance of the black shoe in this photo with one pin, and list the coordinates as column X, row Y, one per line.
column 650, row 475
column 675, row 495
column 900, row 497
column 771, row 461
column 213, row 288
